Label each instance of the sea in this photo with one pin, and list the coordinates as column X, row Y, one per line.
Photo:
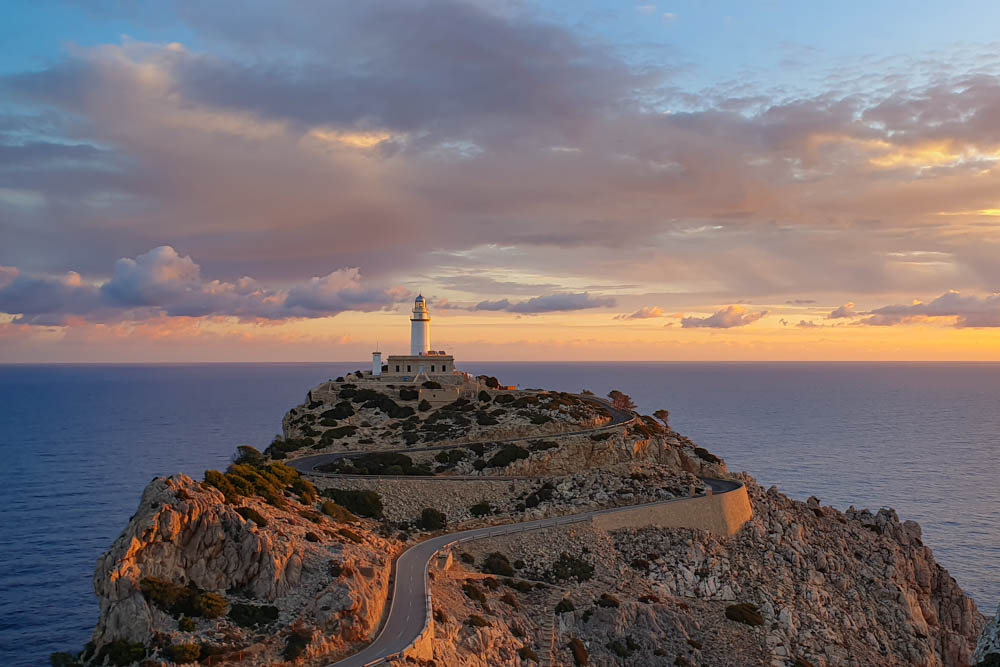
column 80, row 442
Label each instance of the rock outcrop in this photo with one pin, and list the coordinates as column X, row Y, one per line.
column 988, row 647
column 272, row 579
column 299, row 565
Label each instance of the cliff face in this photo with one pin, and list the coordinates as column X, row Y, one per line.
column 299, row 568
column 834, row 587
column 826, row 588
column 245, row 569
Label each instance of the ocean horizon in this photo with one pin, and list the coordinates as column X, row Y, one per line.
column 917, row 436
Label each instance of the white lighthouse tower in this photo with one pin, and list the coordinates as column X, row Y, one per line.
column 420, row 328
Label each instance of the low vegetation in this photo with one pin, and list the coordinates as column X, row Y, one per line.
column 178, row 600
column 296, row 643
column 337, row 512
column 497, row 563
column 252, row 615
column 571, row 567
column 250, row 514
column 182, row 653
column 432, row 519
column 365, row 503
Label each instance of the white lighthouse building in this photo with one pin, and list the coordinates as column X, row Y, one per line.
column 420, row 328
column 422, row 363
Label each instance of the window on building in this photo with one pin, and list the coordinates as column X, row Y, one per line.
column 397, row 368
column 444, row 368
column 432, row 368
column 407, row 369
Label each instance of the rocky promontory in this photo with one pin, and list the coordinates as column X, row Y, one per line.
column 260, row 564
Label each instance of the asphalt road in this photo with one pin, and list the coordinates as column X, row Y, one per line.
column 409, row 604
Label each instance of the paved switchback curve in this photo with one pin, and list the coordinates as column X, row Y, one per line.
column 410, row 601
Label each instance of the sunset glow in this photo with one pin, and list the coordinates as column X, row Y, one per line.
column 737, row 182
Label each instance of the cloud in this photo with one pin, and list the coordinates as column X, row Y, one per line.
column 548, row 304
column 728, row 317
column 800, row 302
column 669, row 17
column 362, row 134
column 645, row 9
column 803, row 324
column 162, row 282
column 846, row 310
column 968, row 311
column 643, row 313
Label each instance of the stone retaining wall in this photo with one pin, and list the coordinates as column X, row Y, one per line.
column 721, row 513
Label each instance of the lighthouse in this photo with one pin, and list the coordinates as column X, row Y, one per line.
column 420, row 328
column 422, row 363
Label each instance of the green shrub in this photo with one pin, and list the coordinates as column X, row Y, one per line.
column 744, row 612
column 705, row 455
column 601, row 437
column 608, row 600
column 571, row 567
column 248, row 455
column 486, row 419
column 296, row 644
column 120, row 653
column 466, row 557
column 304, row 489
column 210, row 605
column 423, row 406
column 477, row 621
column 579, row 651
column 362, row 503
column 484, row 396
column 408, row 394
column 341, row 410
column 337, row 512
column 432, row 519
column 503, row 399
column 565, row 606
column 519, row 564
column 521, row 585
column 473, row 592
column 481, row 509
column 250, row 514
column 431, row 384
column 64, row 659
column 251, row 615
column 185, row 624
column 497, row 563
column 312, row 537
column 170, row 597
column 218, row 480
column 527, row 653
column 508, row 599
column 507, row 455
column 182, row 653
column 351, row 535
column 491, row 584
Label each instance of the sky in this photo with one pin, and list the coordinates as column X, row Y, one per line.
column 751, row 181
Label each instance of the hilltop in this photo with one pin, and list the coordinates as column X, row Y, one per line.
column 288, row 555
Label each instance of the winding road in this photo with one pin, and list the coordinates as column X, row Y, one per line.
column 410, row 600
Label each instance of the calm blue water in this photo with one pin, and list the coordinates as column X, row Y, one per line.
column 79, row 443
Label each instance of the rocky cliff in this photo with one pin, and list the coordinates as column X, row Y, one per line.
column 193, row 569
column 255, row 566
